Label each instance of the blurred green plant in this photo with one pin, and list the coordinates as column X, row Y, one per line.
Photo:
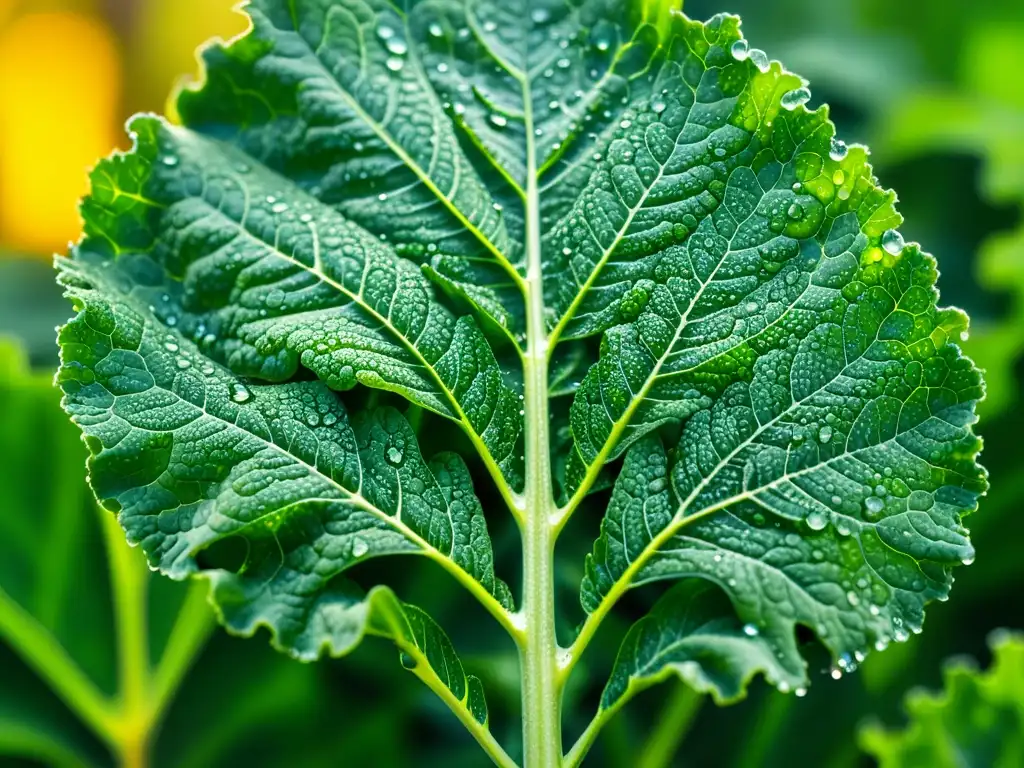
column 978, row 719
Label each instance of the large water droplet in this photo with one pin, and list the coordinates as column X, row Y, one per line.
column 240, row 393
column 760, row 59
column 394, row 456
column 794, row 99
column 873, row 505
column 817, row 520
column 740, row 50
column 825, row 434
column 359, row 547
column 408, row 661
column 838, row 150
column 893, row 242
column 395, row 64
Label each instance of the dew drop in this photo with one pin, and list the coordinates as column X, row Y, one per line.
column 359, row 547
column 760, row 59
column 435, row 30
column 540, row 15
column 825, row 434
column 240, row 393
column 800, row 692
column 183, row 363
column 838, row 150
column 280, row 207
column 170, row 346
column 838, row 178
column 751, row 630
column 795, row 212
column 395, row 64
column 873, row 505
column 498, row 121
column 794, row 99
column 169, row 160
column 892, row 242
column 408, row 661
column 395, row 456
column 740, row 50
column 817, row 520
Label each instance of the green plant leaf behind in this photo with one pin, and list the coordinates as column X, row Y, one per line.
column 826, row 455
column 978, row 719
column 64, row 655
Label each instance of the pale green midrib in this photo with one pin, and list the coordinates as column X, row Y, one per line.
column 541, row 689
column 463, row 577
column 407, row 160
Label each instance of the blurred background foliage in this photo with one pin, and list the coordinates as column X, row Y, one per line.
column 936, row 89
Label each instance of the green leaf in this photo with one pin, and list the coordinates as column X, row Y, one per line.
column 75, row 602
column 977, row 720
column 631, row 218
column 826, row 455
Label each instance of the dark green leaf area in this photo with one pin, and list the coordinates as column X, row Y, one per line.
column 267, row 280
column 192, row 455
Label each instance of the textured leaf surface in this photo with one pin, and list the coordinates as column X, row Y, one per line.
column 191, row 455
column 826, row 454
column 628, row 216
column 977, row 720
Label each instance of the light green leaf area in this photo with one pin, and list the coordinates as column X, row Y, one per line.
column 92, row 648
column 978, row 719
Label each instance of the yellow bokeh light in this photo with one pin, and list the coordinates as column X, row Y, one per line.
column 60, row 86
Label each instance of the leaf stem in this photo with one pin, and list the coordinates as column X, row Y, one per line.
column 191, row 630
column 44, row 654
column 425, row 672
column 671, row 728
column 129, row 586
column 541, row 683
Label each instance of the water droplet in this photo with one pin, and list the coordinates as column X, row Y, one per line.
column 184, row 363
column 395, row 456
column 817, row 520
column 892, row 242
column 382, row 196
column 838, row 150
column 442, row 67
column 800, row 692
column 240, row 393
column 740, row 50
column 969, row 560
column 395, row 64
column 490, row 26
column 499, row 121
column 825, row 434
column 838, row 178
column 873, row 505
column 306, row 218
column 874, row 610
column 435, row 30
column 760, row 59
column 280, row 208
column 384, row 32
column 837, row 673
column 795, row 212
column 359, row 547
column 408, row 661
column 794, row 99
column 540, row 15
column 751, row 630
column 169, row 160
column 170, row 346
column 852, row 598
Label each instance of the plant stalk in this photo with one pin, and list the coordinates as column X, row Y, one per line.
column 541, row 687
